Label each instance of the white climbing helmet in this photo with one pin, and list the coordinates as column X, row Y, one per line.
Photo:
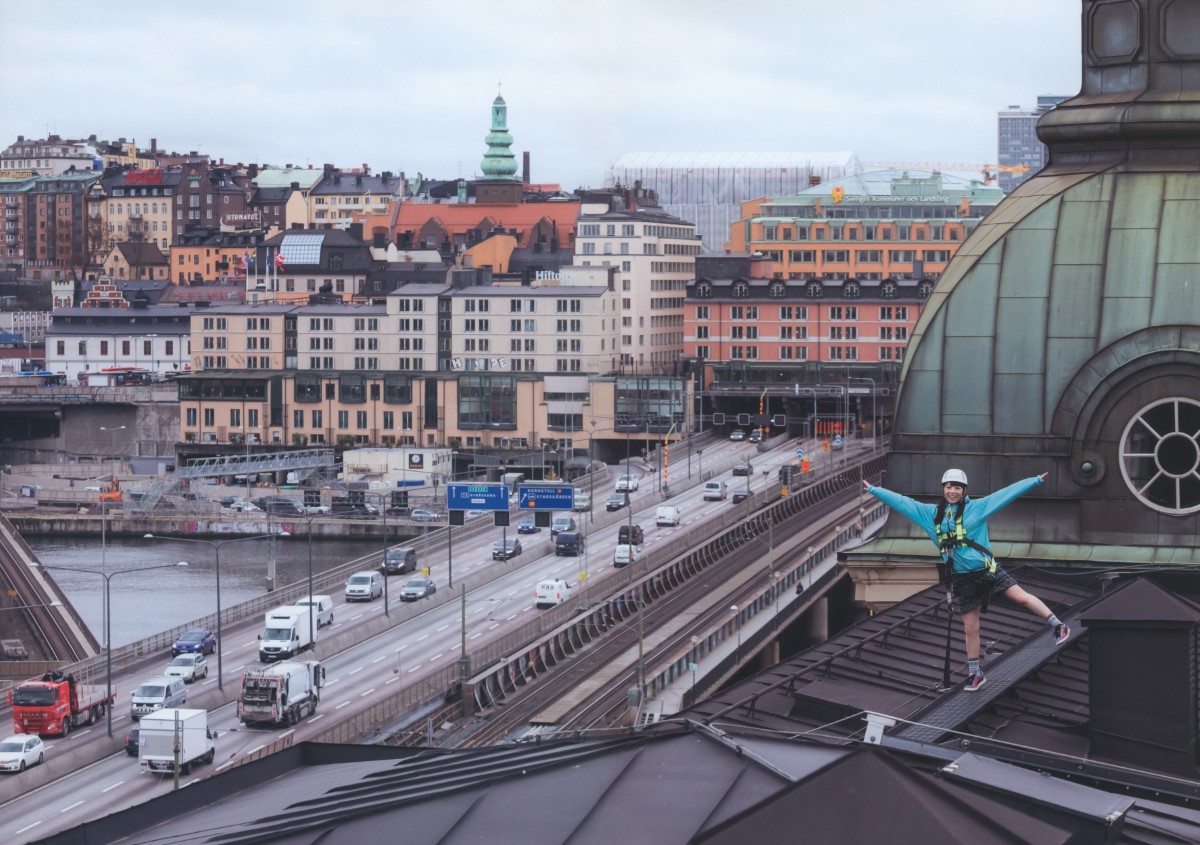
column 955, row 476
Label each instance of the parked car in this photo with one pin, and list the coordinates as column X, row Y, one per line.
column 737, row 434
column 316, row 509
column 280, row 506
column 528, row 525
column 742, row 468
column 242, row 506
column 20, row 751
column 505, row 549
column 131, row 741
column 228, row 501
column 364, row 586
column 418, row 588
column 190, row 667
column 615, row 502
column 627, row 484
column 195, row 639
column 424, row 515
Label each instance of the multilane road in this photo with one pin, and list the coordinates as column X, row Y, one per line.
column 360, row 675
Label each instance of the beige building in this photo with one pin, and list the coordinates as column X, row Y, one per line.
column 655, row 256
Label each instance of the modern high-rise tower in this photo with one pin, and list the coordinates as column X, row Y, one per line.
column 1017, row 141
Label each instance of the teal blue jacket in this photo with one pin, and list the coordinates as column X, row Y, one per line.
column 975, row 514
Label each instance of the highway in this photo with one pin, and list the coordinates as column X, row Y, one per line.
column 412, row 649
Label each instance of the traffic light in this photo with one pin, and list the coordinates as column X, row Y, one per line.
column 805, row 466
column 825, row 445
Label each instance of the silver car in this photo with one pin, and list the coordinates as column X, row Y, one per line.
column 190, row 667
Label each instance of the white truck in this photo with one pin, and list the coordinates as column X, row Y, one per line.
column 282, row 694
column 158, row 732
column 288, row 632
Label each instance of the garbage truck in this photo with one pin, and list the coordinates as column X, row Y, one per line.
column 280, row 695
column 158, row 732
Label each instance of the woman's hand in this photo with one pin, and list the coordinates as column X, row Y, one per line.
column 1042, row 477
column 866, row 485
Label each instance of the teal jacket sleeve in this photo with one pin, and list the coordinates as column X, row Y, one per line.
column 921, row 514
column 978, row 510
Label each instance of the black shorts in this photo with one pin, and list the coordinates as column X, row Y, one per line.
column 970, row 587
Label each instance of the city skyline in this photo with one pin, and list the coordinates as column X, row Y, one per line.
column 584, row 85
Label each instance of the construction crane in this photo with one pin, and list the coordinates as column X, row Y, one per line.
column 989, row 172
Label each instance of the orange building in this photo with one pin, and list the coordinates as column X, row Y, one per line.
column 872, row 226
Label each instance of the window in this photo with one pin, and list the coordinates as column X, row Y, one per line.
column 835, row 256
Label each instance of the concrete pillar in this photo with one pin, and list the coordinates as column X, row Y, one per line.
column 817, row 619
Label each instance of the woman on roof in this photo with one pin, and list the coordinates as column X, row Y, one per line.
column 958, row 526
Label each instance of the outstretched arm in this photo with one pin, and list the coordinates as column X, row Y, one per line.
column 985, row 506
column 923, row 515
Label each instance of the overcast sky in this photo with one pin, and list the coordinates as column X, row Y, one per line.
column 408, row 85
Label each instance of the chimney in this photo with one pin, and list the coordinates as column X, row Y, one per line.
column 328, row 168
column 525, row 167
column 1142, row 679
column 153, row 146
column 295, row 186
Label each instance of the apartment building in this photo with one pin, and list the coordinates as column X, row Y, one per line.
column 130, row 204
column 872, row 226
column 654, row 255
column 339, row 196
column 82, row 340
column 48, row 156
column 280, row 195
column 208, row 194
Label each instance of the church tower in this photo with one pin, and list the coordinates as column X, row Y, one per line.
column 499, row 184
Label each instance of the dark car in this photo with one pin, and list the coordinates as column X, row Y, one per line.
column 131, row 742
column 740, row 496
column 742, row 468
column 528, row 525
column 418, row 588
column 505, row 549
column 615, row 502
column 227, row 501
column 568, row 543
column 195, row 639
column 280, row 506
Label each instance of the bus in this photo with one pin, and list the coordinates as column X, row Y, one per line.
column 118, row 376
column 45, row 378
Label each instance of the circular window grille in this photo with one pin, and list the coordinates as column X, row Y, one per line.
column 1160, row 455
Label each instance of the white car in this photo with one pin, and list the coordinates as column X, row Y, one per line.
column 20, row 751
column 191, row 667
column 316, row 509
column 243, row 506
column 627, row 484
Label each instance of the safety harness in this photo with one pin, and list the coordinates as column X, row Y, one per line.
column 949, row 541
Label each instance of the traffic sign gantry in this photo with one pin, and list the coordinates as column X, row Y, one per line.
column 546, row 497
column 476, row 497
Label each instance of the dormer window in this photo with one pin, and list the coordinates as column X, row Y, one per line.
column 741, row 290
column 889, row 290
column 776, row 290
column 851, row 290
column 815, row 290
column 704, row 290
column 924, row 289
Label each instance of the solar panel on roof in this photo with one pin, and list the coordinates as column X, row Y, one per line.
column 302, row 249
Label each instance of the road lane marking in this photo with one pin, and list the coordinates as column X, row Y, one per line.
column 71, row 807
column 444, row 627
column 397, row 651
column 340, row 706
column 415, row 668
column 377, row 659
column 437, row 656
column 314, row 718
column 332, row 681
column 425, row 637
column 29, row 827
column 359, row 669
column 392, row 681
column 368, row 692
column 110, row 788
column 473, row 636
column 493, row 627
column 359, row 616
column 247, row 645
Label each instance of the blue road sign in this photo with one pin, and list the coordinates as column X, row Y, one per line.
column 799, row 451
column 546, row 497
column 476, row 497
column 837, row 440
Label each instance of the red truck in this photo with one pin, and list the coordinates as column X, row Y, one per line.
column 55, row 704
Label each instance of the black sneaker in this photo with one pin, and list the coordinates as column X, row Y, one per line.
column 1061, row 633
column 975, row 681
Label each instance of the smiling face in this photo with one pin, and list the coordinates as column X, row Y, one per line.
column 953, row 493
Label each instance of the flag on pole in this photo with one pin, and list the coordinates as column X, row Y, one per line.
column 246, row 260
column 279, row 260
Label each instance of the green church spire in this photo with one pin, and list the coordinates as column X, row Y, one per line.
column 499, row 162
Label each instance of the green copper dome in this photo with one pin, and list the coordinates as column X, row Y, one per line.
column 499, row 162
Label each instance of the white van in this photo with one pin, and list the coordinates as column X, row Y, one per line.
column 552, row 592
column 155, row 694
column 625, row 554
column 667, row 515
column 322, row 608
column 364, row 586
column 714, row 491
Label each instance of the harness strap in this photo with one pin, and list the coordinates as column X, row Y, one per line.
column 947, row 542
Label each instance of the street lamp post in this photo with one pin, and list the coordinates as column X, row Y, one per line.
column 3, row 609
column 873, row 419
column 733, row 608
column 216, row 547
column 112, row 445
column 108, row 576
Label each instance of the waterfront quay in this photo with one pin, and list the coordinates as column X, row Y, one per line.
column 43, row 522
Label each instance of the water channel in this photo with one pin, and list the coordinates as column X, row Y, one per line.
column 153, row 600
